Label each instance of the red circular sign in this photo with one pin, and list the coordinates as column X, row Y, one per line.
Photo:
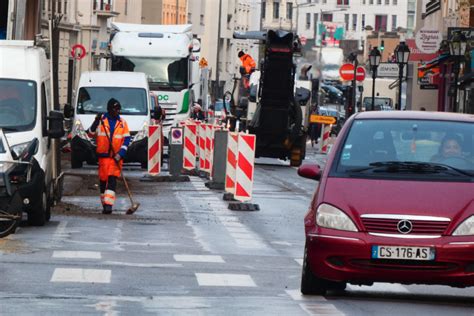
column 360, row 74
column 303, row 40
column 347, row 72
column 81, row 54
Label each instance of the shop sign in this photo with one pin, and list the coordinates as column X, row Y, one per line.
column 428, row 79
column 428, row 41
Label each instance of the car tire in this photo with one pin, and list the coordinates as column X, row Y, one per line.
column 310, row 284
column 37, row 215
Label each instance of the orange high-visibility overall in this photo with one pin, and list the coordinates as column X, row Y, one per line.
column 109, row 169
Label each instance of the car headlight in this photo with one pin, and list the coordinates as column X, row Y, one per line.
column 4, row 167
column 466, row 228
column 19, row 149
column 78, row 130
column 329, row 216
column 142, row 133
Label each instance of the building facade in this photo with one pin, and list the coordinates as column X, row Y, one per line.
column 352, row 17
column 218, row 46
column 279, row 14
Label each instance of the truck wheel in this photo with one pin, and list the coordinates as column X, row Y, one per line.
column 75, row 163
column 37, row 215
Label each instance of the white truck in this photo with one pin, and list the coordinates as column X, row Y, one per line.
column 331, row 59
column 165, row 54
column 385, row 98
column 29, row 165
column 95, row 89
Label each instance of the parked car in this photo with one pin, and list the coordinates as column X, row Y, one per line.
column 332, row 94
column 394, row 203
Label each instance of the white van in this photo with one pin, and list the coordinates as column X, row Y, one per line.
column 95, row 89
column 27, row 124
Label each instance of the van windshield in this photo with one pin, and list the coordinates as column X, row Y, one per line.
column 380, row 104
column 93, row 100
column 162, row 73
column 414, row 149
column 17, row 105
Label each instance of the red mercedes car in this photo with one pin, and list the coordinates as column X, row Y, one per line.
column 395, row 203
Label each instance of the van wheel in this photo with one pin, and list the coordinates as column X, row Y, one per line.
column 8, row 226
column 37, row 215
column 75, row 163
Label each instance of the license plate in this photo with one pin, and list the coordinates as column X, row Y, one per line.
column 404, row 253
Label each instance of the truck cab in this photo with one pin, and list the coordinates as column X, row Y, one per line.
column 28, row 125
column 93, row 92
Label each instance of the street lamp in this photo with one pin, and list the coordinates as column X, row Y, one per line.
column 402, row 54
column 457, row 49
column 374, row 61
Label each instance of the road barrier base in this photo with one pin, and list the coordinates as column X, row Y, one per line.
column 203, row 174
column 192, row 173
column 215, row 185
column 228, row 197
column 169, row 178
column 238, row 206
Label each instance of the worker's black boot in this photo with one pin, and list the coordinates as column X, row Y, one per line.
column 107, row 209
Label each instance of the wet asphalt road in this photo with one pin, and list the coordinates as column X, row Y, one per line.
column 184, row 252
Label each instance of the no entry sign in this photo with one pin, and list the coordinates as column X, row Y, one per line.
column 347, row 72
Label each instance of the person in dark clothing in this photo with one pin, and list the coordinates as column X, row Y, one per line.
column 197, row 113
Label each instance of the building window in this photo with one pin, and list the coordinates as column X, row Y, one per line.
column 276, row 10
column 126, row 7
column 264, row 9
column 387, row 2
column 342, row 2
column 327, row 17
column 346, row 21
column 354, row 22
column 201, row 19
column 308, row 21
column 363, row 1
column 395, row 2
column 363, row 21
column 316, row 20
column 394, row 22
column 379, row 2
column 371, row 1
column 380, row 23
column 289, row 11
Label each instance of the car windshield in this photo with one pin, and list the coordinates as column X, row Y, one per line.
column 93, row 100
column 17, row 105
column 162, row 73
column 415, row 149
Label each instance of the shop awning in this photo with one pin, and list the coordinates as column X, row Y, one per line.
column 434, row 62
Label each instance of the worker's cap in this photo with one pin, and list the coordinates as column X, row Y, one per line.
column 197, row 107
column 113, row 104
column 241, row 53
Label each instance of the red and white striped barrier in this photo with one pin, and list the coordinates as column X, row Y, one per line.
column 325, row 135
column 202, row 146
column 189, row 148
column 208, row 150
column 154, row 149
column 245, row 167
column 231, row 165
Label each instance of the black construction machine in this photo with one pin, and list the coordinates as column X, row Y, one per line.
column 277, row 120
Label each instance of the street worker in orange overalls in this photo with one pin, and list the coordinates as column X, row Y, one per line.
column 249, row 65
column 112, row 137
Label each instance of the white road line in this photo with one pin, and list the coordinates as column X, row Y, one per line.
column 321, row 309
column 379, row 287
column 297, row 296
column 198, row 258
column 143, row 265
column 282, row 243
column 241, row 230
column 60, row 231
column 81, row 275
column 77, row 254
column 214, row 279
column 300, row 261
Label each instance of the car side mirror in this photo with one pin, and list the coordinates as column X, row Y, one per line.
column 310, row 171
column 56, row 126
column 68, row 111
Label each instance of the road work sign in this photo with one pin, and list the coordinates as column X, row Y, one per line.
column 327, row 120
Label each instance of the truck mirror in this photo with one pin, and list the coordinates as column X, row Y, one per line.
column 68, row 111
column 56, row 127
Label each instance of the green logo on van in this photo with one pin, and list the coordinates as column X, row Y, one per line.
column 162, row 97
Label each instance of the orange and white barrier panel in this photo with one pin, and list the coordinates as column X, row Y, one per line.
column 231, row 164
column 154, row 149
column 202, row 146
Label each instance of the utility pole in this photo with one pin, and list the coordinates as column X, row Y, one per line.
column 216, row 86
